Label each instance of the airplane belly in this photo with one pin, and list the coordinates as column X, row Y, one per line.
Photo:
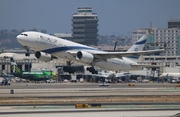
column 112, row 66
column 65, row 56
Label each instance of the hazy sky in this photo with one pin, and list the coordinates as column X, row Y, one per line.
column 117, row 17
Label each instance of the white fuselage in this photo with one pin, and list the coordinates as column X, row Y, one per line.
column 59, row 47
column 170, row 75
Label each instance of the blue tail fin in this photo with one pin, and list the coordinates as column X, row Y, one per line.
column 139, row 45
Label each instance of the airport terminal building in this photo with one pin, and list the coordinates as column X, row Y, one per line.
column 30, row 63
column 168, row 38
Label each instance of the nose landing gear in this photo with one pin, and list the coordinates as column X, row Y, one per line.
column 28, row 51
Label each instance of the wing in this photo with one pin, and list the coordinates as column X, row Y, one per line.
column 107, row 55
column 146, row 66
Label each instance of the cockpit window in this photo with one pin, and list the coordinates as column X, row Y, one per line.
column 24, row 34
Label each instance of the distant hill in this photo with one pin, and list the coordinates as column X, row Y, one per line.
column 8, row 39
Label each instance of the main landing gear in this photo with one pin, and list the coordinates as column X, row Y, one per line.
column 92, row 70
column 69, row 69
column 27, row 54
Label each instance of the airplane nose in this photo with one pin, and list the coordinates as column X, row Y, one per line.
column 20, row 39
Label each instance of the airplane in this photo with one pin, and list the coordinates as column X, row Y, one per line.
column 49, row 47
column 15, row 56
column 103, row 74
column 33, row 75
column 170, row 75
column 7, row 55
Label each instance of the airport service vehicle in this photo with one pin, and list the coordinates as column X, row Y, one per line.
column 134, row 81
column 173, row 81
column 73, row 79
column 32, row 75
column 5, row 82
column 50, row 81
column 81, row 80
column 145, row 81
column 66, row 81
column 49, row 47
column 104, row 84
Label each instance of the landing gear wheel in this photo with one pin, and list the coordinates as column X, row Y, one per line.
column 92, row 70
column 27, row 54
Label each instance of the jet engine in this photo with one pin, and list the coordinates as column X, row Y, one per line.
column 84, row 56
column 43, row 56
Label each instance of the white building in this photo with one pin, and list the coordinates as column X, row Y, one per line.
column 168, row 38
column 138, row 33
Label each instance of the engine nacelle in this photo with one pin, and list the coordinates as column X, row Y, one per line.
column 84, row 56
column 43, row 56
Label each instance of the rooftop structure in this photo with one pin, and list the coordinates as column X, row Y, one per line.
column 66, row 36
column 174, row 23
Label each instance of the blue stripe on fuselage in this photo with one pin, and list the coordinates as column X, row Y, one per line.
column 141, row 42
column 59, row 49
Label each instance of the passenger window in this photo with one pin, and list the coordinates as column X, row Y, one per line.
column 24, row 34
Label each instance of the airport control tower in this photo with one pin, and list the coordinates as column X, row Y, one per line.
column 174, row 23
column 85, row 25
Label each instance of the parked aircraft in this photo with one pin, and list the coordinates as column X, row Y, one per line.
column 49, row 47
column 7, row 55
column 170, row 75
column 104, row 74
column 15, row 56
column 33, row 75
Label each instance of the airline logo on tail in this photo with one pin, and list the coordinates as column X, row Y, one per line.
column 139, row 45
column 15, row 68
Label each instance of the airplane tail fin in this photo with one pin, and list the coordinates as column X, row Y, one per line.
column 138, row 46
column 15, row 68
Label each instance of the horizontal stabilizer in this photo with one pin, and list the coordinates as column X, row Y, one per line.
column 147, row 66
column 107, row 55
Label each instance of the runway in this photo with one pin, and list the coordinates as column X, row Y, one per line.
column 89, row 113
column 20, row 85
column 60, row 93
column 87, row 89
column 141, row 100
